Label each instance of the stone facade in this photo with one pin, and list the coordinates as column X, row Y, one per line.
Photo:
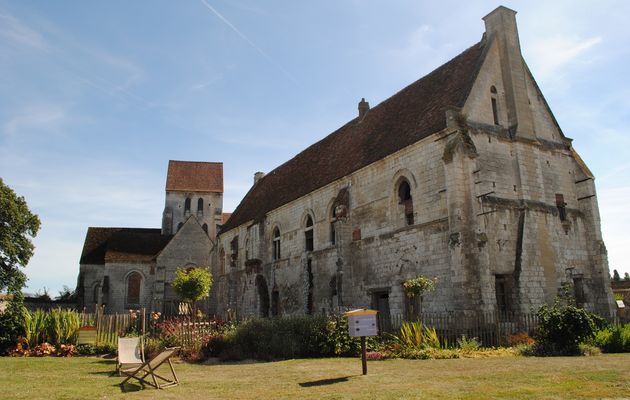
column 495, row 204
column 131, row 268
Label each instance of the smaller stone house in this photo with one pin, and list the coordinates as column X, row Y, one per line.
column 131, row 268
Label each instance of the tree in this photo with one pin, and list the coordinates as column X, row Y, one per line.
column 17, row 227
column 626, row 277
column 616, row 277
column 192, row 285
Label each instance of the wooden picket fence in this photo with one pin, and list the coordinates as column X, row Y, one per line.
column 110, row 326
column 491, row 329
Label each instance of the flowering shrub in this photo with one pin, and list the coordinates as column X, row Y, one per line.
column 521, row 338
column 418, row 286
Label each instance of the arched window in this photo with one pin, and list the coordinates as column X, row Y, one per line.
column 276, row 244
column 495, row 110
column 134, row 281
column 187, row 205
column 179, row 226
column 308, row 234
column 404, row 197
column 333, row 219
column 200, row 206
column 205, row 227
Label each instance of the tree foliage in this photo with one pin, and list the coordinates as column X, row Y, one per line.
column 18, row 225
column 192, row 284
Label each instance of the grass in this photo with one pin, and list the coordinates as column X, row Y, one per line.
column 605, row 376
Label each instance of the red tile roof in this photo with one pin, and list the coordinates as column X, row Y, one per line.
column 193, row 176
column 225, row 217
column 410, row 115
column 125, row 245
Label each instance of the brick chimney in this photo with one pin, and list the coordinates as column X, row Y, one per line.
column 364, row 107
column 258, row 176
column 501, row 31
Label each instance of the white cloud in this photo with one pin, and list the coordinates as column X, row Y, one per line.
column 18, row 33
column 35, row 118
column 548, row 55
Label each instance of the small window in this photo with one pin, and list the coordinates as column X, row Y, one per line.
column 333, row 219
column 179, row 226
column 200, row 206
column 134, row 281
column 205, row 227
column 276, row 244
column 187, row 205
column 495, row 109
column 562, row 211
column 404, row 196
column 308, row 234
column 234, row 248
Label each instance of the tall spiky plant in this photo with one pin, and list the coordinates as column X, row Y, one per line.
column 413, row 335
column 35, row 327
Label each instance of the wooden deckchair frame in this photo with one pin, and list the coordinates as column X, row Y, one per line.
column 149, row 367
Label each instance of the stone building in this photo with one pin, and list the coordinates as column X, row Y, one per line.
column 130, row 268
column 464, row 176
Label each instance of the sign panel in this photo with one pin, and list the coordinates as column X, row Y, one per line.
column 362, row 325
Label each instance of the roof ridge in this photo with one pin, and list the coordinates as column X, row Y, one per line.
column 411, row 114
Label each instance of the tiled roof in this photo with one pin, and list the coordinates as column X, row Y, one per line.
column 410, row 115
column 126, row 245
column 193, row 176
column 225, row 217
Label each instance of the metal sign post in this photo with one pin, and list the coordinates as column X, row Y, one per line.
column 362, row 323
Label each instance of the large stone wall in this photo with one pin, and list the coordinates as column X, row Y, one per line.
column 501, row 210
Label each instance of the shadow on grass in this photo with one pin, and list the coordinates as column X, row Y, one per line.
column 323, row 382
column 111, row 362
column 130, row 387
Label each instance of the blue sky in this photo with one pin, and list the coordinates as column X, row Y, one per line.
column 98, row 96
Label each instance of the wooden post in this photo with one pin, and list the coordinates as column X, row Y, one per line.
column 363, row 356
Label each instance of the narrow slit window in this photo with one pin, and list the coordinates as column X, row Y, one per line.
column 333, row 219
column 562, row 211
column 187, row 205
column 495, row 108
column 404, row 195
column 276, row 244
column 200, row 206
column 308, row 234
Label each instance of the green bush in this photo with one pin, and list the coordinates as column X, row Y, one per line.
column 11, row 325
column 287, row 337
column 562, row 328
column 614, row 339
column 86, row 349
column 468, row 345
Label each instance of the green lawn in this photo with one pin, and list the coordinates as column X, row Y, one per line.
column 606, row 376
